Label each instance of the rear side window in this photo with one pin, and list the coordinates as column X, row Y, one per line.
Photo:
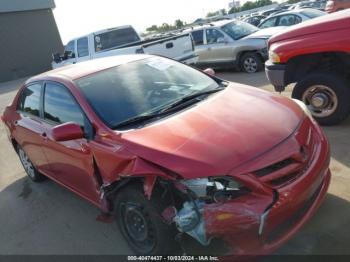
column 198, row 37
column 60, row 106
column 115, row 38
column 29, row 100
column 83, row 47
column 268, row 23
column 288, row 20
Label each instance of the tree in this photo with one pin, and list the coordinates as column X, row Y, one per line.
column 152, row 28
column 179, row 24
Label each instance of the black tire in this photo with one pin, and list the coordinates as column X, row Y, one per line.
column 159, row 238
column 338, row 85
column 251, row 63
column 28, row 166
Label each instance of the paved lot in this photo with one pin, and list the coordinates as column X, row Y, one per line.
column 47, row 219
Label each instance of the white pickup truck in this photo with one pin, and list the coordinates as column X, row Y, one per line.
column 121, row 41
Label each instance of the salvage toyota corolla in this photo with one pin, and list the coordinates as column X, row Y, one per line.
column 171, row 151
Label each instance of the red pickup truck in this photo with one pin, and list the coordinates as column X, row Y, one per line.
column 316, row 56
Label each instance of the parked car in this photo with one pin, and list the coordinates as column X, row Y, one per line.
column 231, row 44
column 290, row 17
column 337, row 5
column 315, row 4
column 124, row 40
column 321, row 72
column 254, row 20
column 137, row 136
column 270, row 11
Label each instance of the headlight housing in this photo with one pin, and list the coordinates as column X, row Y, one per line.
column 215, row 189
column 274, row 57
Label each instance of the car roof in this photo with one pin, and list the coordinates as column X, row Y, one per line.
column 73, row 72
column 294, row 11
column 209, row 24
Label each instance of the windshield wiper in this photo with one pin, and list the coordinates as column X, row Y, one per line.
column 167, row 109
column 194, row 96
column 136, row 119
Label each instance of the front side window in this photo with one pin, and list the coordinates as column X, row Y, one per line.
column 213, row 36
column 70, row 47
column 198, row 37
column 83, row 47
column 29, row 101
column 140, row 88
column 60, row 107
column 238, row 29
column 268, row 23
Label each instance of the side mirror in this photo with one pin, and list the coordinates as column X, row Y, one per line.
column 209, row 71
column 67, row 131
column 68, row 55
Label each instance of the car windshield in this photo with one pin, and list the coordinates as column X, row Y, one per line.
column 141, row 87
column 239, row 29
column 312, row 13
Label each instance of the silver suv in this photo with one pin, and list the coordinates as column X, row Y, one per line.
column 231, row 43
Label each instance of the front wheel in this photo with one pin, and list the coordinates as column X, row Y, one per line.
column 327, row 96
column 251, row 63
column 141, row 224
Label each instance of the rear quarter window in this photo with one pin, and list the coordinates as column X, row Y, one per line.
column 29, row 100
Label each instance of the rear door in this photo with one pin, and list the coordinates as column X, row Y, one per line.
column 200, row 48
column 29, row 130
column 83, row 52
column 71, row 161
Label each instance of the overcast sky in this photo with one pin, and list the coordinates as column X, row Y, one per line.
column 79, row 17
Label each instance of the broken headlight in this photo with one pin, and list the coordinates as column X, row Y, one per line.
column 215, row 189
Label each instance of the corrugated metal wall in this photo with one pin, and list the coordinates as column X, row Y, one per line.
column 27, row 40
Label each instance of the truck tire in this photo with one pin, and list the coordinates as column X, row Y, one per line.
column 141, row 224
column 326, row 95
column 251, row 63
column 28, row 166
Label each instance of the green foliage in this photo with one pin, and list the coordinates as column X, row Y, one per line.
column 166, row 27
column 216, row 13
column 250, row 5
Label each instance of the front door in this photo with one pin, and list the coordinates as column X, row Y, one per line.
column 218, row 48
column 71, row 161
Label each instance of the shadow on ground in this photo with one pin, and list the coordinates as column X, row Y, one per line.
column 62, row 223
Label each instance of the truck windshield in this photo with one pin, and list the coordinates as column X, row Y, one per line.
column 115, row 38
column 141, row 88
column 239, row 29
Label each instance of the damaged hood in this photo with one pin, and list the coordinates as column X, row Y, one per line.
column 216, row 135
column 266, row 33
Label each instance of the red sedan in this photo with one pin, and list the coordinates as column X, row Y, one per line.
column 165, row 148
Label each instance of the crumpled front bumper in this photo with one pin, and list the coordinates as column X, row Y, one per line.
column 241, row 222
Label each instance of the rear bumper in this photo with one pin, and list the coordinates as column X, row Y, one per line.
column 275, row 73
